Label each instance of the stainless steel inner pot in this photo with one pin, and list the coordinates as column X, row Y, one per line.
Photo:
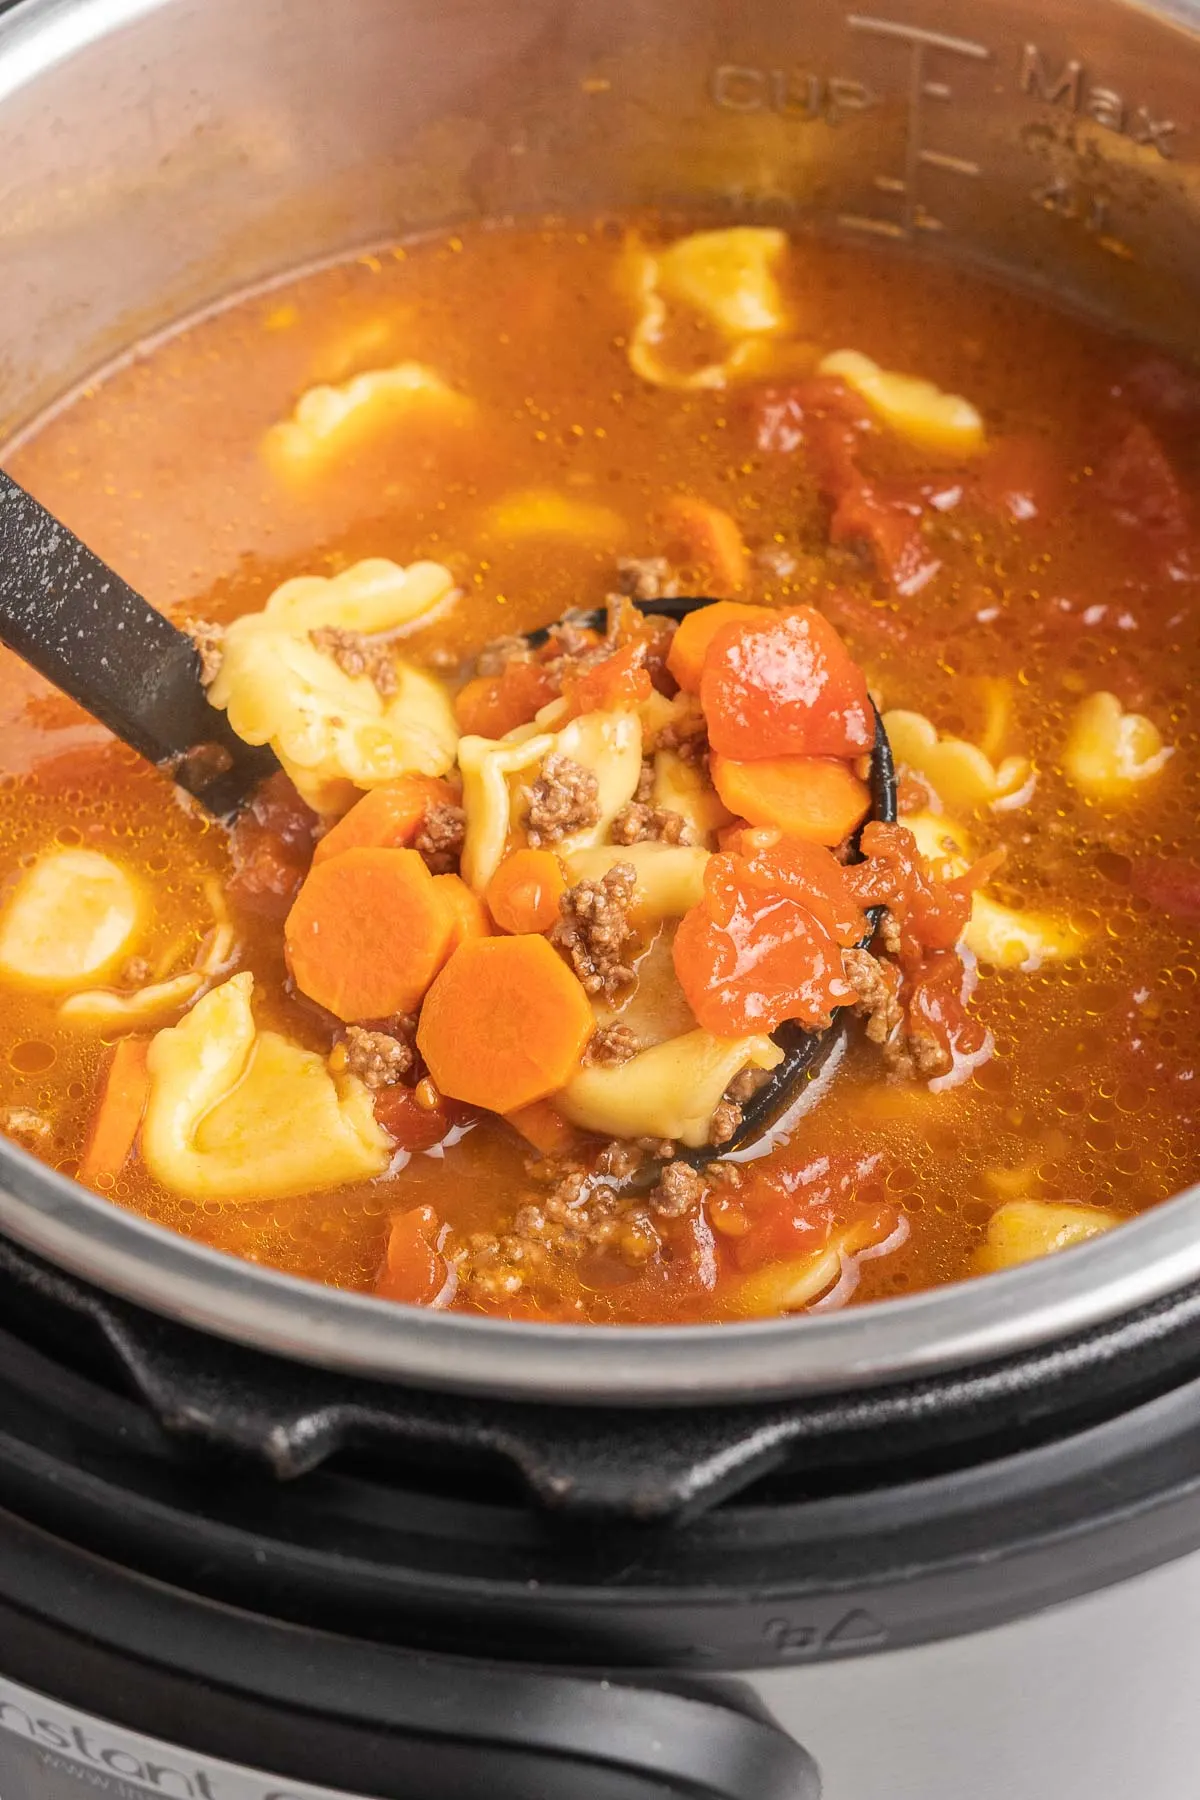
column 157, row 154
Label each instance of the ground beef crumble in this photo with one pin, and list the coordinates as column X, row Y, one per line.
column 609, row 1046
column 209, row 640
column 680, row 1189
column 356, row 654
column 687, row 737
column 646, row 578
column 726, row 1119
column 440, row 839
column 638, row 823
column 876, row 986
column 495, row 657
column 377, row 1059
column 564, row 798
column 595, row 931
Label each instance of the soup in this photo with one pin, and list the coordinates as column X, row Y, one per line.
column 471, row 1006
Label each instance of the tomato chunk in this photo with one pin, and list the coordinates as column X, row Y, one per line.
column 785, row 686
column 617, row 684
column 414, row 1271
column 271, row 848
column 765, row 944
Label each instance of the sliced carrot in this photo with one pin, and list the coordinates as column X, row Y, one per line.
column 387, row 818
column 368, row 933
column 490, row 705
column 815, row 797
column 543, row 1126
column 504, row 1024
column 618, row 684
column 414, row 1271
column 685, row 659
column 709, row 539
column 524, row 892
column 126, row 1091
column 469, row 913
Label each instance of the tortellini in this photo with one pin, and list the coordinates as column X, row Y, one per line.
column 670, row 1090
column 334, row 733
column 240, row 1114
column 545, row 513
column 69, row 919
column 912, row 408
column 328, row 420
column 725, row 280
column 1109, row 752
column 960, row 774
column 795, row 1284
column 998, row 935
column 680, row 786
column 494, row 770
column 109, row 1008
column 670, row 877
column 1022, row 1230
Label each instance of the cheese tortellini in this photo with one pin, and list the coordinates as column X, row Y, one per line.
column 329, row 420
column 545, row 513
column 723, row 279
column 69, row 919
column 961, row 775
column 335, row 734
column 679, row 786
column 494, row 771
column 240, row 1114
column 1001, row 936
column 912, row 408
column 670, row 1090
column 1109, row 752
column 1022, row 1230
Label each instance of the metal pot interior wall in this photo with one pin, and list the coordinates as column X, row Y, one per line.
column 156, row 154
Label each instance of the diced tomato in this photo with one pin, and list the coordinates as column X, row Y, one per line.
column 936, row 1000
column 617, row 684
column 765, row 943
column 491, row 705
column 1169, row 883
column 785, row 686
column 821, row 416
column 1138, row 482
column 794, row 1206
column 271, row 848
column 1159, row 387
column 890, row 523
column 932, row 914
column 410, row 1125
column 414, row 1271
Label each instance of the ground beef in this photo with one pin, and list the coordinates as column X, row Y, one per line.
column 889, row 933
column 726, row 1119
column 595, row 932
column 565, row 798
column 638, row 823
column 440, row 839
column 574, row 641
column 646, row 578
column 356, row 654
column 620, row 1159
column 609, row 1046
column 495, row 657
column 680, row 1188
column 687, row 737
column 209, row 640
column 377, row 1059
column 916, row 1057
column 877, row 993
column 644, row 792
column 25, row 1125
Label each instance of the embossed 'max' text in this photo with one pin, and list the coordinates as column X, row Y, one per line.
column 1070, row 87
column 792, row 93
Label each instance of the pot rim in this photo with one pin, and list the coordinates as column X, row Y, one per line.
column 954, row 1327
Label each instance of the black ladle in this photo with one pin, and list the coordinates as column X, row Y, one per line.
column 77, row 623
column 803, row 1051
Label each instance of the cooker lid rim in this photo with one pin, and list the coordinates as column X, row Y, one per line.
column 954, row 1327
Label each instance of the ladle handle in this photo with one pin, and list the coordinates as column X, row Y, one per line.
column 75, row 621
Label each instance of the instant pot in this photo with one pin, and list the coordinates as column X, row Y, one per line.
column 262, row 1540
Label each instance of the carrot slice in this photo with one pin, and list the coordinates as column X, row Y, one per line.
column 468, row 911
column 368, row 933
column 490, row 705
column 710, row 541
column 815, row 797
column 387, row 818
column 126, row 1091
column 524, row 892
column 504, row 1024
column 689, row 646
column 414, row 1271
column 543, row 1126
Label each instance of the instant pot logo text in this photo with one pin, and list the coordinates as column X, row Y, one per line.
column 81, row 1750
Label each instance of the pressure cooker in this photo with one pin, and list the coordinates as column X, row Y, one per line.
column 261, row 1539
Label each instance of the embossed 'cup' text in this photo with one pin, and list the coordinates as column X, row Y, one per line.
column 799, row 94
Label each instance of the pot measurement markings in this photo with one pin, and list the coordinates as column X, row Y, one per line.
column 926, row 53
column 794, row 93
